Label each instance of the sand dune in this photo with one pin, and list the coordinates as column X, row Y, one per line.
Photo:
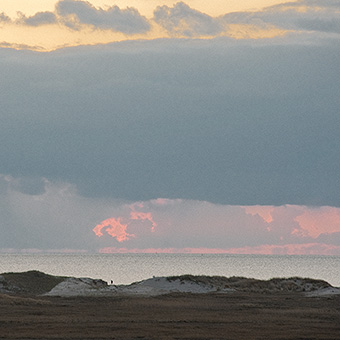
column 34, row 305
column 37, row 283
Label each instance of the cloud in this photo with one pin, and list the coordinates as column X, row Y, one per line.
column 185, row 21
column 113, row 227
column 143, row 216
column 58, row 217
column 183, row 143
column 24, row 185
column 74, row 13
column 118, row 230
column 252, row 123
column 304, row 15
column 75, row 23
column 289, row 249
column 4, row 18
column 78, row 15
column 40, row 18
column 303, row 4
column 6, row 44
column 330, row 238
column 324, row 220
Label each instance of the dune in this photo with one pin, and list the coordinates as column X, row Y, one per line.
column 35, row 305
column 38, row 283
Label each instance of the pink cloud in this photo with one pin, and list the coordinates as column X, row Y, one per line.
column 265, row 212
column 114, row 250
column 287, row 249
column 185, row 226
column 312, row 221
column 138, row 215
column 321, row 220
column 115, row 228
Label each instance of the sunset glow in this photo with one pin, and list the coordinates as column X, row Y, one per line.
column 319, row 221
column 138, row 215
column 118, row 230
column 288, row 249
column 161, row 126
column 113, row 227
column 50, row 25
column 214, row 7
column 262, row 211
column 300, row 224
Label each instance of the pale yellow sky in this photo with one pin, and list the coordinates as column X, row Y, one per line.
column 146, row 7
column 49, row 37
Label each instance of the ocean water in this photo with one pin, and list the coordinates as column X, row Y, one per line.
column 128, row 268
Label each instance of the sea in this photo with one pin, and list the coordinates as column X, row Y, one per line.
column 129, row 268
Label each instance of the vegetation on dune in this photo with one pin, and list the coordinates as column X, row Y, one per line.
column 292, row 284
column 30, row 282
column 37, row 283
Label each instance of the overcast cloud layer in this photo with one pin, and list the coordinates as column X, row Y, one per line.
column 57, row 218
column 221, row 121
column 208, row 126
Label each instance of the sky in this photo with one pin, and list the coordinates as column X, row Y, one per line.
column 147, row 126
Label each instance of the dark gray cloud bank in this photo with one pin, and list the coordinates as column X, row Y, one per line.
column 232, row 122
column 92, row 133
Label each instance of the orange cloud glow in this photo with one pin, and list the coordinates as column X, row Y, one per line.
column 288, row 229
column 114, row 250
column 114, row 228
column 137, row 215
column 287, row 249
column 117, row 229
column 263, row 211
column 313, row 221
column 320, row 220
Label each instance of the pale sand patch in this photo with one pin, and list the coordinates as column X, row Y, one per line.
column 192, row 284
column 324, row 292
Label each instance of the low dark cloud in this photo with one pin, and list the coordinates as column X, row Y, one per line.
column 330, row 238
column 6, row 44
column 4, row 18
column 223, row 121
column 304, row 15
column 40, row 18
column 183, row 20
column 57, row 217
column 75, row 13
column 308, row 3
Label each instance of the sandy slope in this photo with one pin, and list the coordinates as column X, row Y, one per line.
column 193, row 284
column 185, row 307
column 37, row 283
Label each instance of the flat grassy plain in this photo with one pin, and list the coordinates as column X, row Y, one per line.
column 239, row 315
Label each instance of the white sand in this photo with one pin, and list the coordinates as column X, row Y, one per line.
column 80, row 287
column 163, row 285
column 324, row 292
column 149, row 287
